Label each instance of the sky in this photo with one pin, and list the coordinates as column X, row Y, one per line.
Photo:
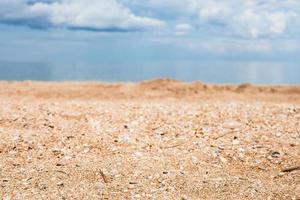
column 91, row 31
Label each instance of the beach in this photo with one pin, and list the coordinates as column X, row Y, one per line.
column 160, row 139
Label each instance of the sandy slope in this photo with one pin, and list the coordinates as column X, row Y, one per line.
column 159, row 139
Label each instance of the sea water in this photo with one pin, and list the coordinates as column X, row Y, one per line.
column 197, row 70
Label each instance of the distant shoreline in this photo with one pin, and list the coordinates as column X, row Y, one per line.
column 152, row 89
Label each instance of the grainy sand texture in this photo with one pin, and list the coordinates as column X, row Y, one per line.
column 159, row 139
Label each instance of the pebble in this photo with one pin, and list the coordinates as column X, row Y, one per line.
column 275, row 154
column 12, row 153
column 223, row 160
column 60, row 184
column 231, row 124
column 278, row 134
column 184, row 197
column 86, row 150
column 125, row 138
column 16, row 138
column 68, row 157
column 235, row 142
column 281, row 174
column 195, row 160
column 199, row 133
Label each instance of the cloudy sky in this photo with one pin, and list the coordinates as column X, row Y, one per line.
column 126, row 30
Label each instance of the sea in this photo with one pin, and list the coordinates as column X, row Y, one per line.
column 262, row 72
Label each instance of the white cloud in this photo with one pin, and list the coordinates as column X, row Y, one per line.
column 246, row 18
column 183, row 29
column 213, row 9
column 95, row 14
column 250, row 18
column 263, row 23
column 235, row 18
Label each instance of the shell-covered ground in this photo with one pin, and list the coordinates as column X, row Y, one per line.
column 159, row 139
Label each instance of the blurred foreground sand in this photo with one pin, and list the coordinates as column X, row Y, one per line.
column 159, row 139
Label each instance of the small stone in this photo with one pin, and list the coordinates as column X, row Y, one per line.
column 221, row 147
column 281, row 174
column 231, row 124
column 137, row 154
column 235, row 142
column 86, row 150
column 12, row 153
column 57, row 151
column 125, row 138
column 60, row 184
column 184, row 197
column 275, row 154
column 68, row 157
column 199, row 133
column 278, row 134
column 131, row 186
column 223, row 160
column 7, row 197
column 195, row 160
column 16, row 138
column 241, row 156
column 215, row 153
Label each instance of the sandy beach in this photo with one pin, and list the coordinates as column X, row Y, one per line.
column 160, row 139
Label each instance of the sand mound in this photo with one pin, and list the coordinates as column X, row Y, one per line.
column 161, row 88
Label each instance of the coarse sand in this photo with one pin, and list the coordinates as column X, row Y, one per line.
column 160, row 139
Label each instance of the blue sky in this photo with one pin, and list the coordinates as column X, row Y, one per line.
column 83, row 31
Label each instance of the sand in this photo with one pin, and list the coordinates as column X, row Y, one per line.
column 159, row 139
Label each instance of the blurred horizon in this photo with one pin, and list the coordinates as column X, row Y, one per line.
column 210, row 72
